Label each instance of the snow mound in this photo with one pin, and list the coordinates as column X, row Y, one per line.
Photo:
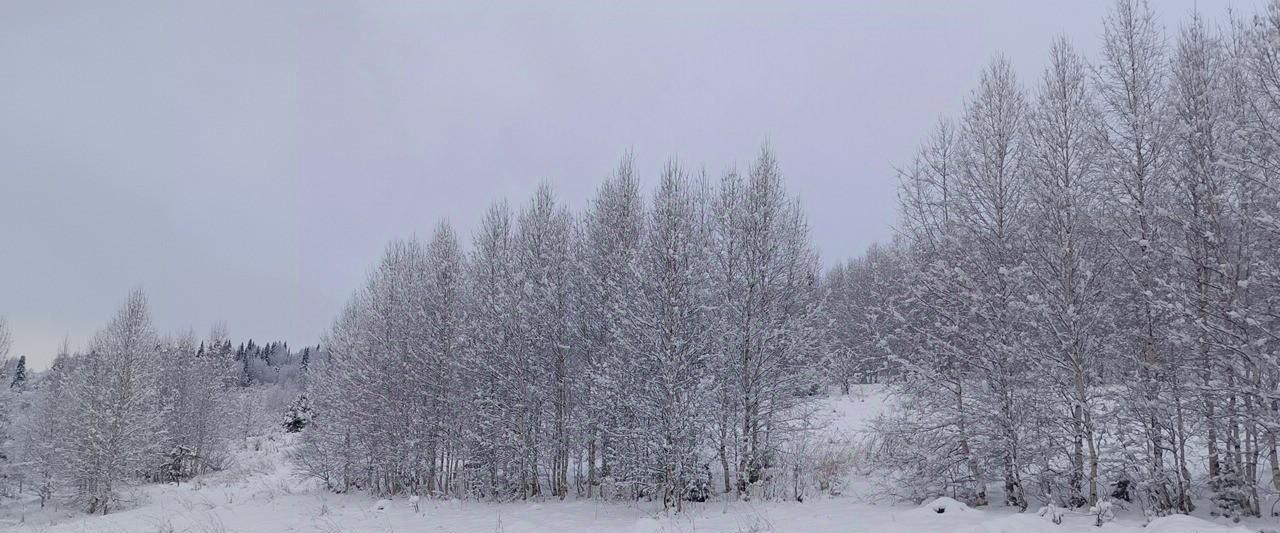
column 944, row 505
column 381, row 505
column 1188, row 524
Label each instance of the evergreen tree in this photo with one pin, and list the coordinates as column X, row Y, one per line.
column 298, row 415
column 19, row 374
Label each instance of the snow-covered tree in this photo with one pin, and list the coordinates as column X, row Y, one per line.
column 194, row 401
column 116, row 415
column 547, row 362
column 768, row 298
column 855, row 293
column 1131, row 84
column 991, row 222
column 443, row 379
column 1069, row 260
column 937, row 451
column 495, row 437
column 1257, row 272
column 669, row 349
column 1088, row 285
column 607, row 256
column 46, row 428
column 298, row 415
column 19, row 381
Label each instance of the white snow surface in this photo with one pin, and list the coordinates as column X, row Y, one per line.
column 262, row 493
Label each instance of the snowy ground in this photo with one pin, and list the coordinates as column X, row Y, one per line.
column 261, row 494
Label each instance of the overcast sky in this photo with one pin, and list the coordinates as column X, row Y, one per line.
column 246, row 162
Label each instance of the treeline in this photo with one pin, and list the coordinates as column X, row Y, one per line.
column 658, row 349
column 1081, row 303
column 137, row 407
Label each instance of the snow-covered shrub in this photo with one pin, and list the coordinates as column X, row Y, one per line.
column 832, row 463
column 250, row 415
column 810, row 463
column 1122, row 489
column 1052, row 513
column 698, row 489
column 1102, row 512
column 180, row 463
column 919, row 458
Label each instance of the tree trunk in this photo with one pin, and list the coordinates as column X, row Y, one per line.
column 1076, row 498
column 979, row 489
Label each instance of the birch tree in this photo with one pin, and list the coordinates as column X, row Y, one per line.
column 769, row 308
column 547, row 362
column 499, row 383
column 991, row 220
column 668, row 359
column 1069, row 261
column 609, row 248
column 116, row 417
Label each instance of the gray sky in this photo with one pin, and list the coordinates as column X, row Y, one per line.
column 246, row 162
